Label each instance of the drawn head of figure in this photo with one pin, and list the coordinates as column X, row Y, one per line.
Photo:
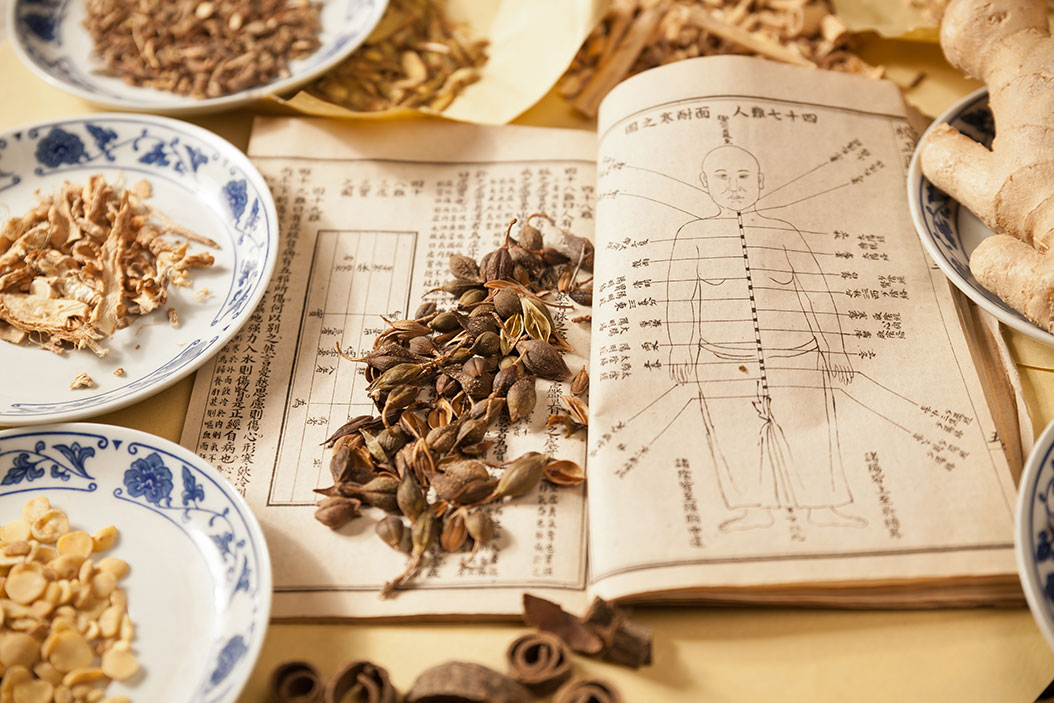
column 732, row 177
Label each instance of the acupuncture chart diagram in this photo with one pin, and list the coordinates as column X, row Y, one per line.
column 756, row 342
column 357, row 277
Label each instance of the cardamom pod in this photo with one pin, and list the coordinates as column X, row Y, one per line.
column 472, row 431
column 464, row 267
column 474, row 367
column 487, row 343
column 506, row 303
column 374, row 447
column 423, row 346
column 522, row 475
column 446, row 386
column 536, row 323
column 398, row 375
column 392, row 440
column 480, row 526
column 336, row 511
column 409, row 497
column 504, row 379
column 541, row 359
column 425, row 309
column 423, row 532
column 497, row 265
column 442, row 439
column 390, row 529
column 582, row 296
column 444, row 322
column 380, row 492
column 531, row 237
column 580, row 384
column 454, row 533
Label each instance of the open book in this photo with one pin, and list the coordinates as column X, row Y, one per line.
column 784, row 407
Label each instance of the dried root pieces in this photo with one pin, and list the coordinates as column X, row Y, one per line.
column 415, row 58
column 80, row 264
column 202, row 48
column 637, row 35
column 1006, row 44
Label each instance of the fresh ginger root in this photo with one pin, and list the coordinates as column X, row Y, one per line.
column 1005, row 43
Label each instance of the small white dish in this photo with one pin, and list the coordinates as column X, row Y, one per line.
column 201, row 182
column 49, row 37
column 1034, row 532
column 199, row 588
column 950, row 232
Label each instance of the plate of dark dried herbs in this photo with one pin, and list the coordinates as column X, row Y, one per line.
column 186, row 56
column 132, row 248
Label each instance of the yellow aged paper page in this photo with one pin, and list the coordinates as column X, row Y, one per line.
column 369, row 215
column 781, row 391
column 531, row 45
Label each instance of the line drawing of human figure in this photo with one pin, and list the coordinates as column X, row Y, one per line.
column 753, row 325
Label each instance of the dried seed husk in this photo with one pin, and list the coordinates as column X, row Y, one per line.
column 445, row 322
column 380, row 492
column 392, row 440
column 582, row 296
column 422, row 346
column 413, row 425
column 340, row 466
column 472, row 431
column 480, row 526
column 423, row 532
column 407, row 329
column 487, row 343
column 497, row 265
column 505, row 378
column 521, row 398
column 463, row 682
column 531, row 237
column 351, row 426
column 409, row 497
column 402, row 396
column 454, row 533
column 546, row 616
column 390, row 529
column 506, row 303
column 542, row 360
column 536, row 321
column 336, row 511
column 398, row 375
column 442, row 439
column 565, row 473
column 580, row 384
column 522, row 475
column 374, row 447
column 472, row 298
column 446, row 386
column 477, row 449
column 464, row 267
column 474, row 367
column 425, row 309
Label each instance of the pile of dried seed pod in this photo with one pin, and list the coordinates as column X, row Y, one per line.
column 415, row 58
column 636, row 35
column 202, row 48
column 440, row 380
column 60, row 611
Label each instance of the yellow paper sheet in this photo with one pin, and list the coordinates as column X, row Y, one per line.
column 531, row 45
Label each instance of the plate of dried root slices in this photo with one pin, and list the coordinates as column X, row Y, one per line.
column 131, row 249
column 130, row 570
column 186, row 56
column 950, row 232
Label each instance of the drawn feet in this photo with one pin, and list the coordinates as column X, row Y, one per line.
column 748, row 519
column 832, row 517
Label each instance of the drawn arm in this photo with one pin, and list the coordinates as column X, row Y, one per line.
column 682, row 303
column 818, row 303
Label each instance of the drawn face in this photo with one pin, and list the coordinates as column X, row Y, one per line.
column 732, row 177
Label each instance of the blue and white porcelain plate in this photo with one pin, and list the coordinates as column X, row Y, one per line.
column 199, row 588
column 50, row 38
column 199, row 181
column 1034, row 532
column 950, row 232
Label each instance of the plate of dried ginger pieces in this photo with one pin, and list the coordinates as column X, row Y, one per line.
column 186, row 56
column 1007, row 274
column 130, row 570
column 132, row 248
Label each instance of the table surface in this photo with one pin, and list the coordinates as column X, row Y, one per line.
column 701, row 653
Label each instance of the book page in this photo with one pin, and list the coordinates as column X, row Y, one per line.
column 781, row 392
column 369, row 215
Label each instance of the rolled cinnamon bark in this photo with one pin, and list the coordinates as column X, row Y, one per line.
column 372, row 681
column 540, row 661
column 587, row 691
column 463, row 682
column 296, row 682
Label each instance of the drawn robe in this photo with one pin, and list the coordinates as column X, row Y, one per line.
column 751, row 315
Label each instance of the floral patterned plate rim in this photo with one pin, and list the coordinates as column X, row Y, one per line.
column 49, row 37
column 199, row 588
column 1034, row 532
column 949, row 232
column 200, row 181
